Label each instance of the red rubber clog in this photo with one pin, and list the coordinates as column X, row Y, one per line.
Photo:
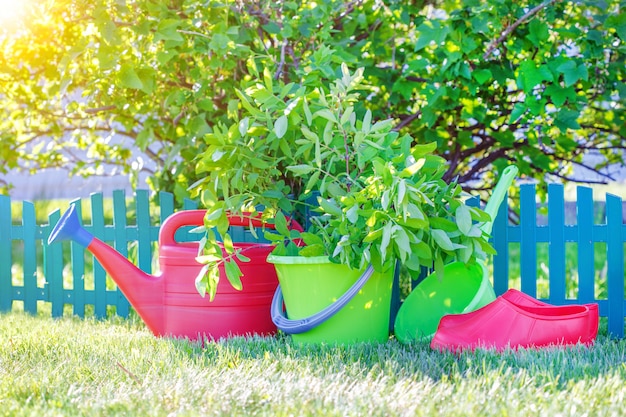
column 502, row 324
column 522, row 299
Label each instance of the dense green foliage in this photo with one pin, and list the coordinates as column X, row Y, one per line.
column 366, row 194
column 537, row 84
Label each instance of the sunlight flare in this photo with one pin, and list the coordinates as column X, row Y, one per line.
column 11, row 13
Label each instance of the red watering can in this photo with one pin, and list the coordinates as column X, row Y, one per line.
column 169, row 302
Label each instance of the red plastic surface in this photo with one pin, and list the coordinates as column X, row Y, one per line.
column 503, row 324
column 169, row 303
column 522, row 299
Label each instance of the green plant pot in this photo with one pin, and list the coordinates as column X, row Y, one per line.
column 463, row 289
column 310, row 284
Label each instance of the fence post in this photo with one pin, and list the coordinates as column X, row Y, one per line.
column 585, row 249
column 29, row 231
column 500, row 233
column 556, row 248
column 78, row 269
column 6, row 260
column 144, row 235
column 528, row 239
column 166, row 205
column 615, row 261
column 122, row 306
column 53, row 267
column 99, row 274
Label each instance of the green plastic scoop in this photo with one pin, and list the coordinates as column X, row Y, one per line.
column 462, row 289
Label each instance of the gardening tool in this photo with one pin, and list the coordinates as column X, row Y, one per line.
column 463, row 324
column 463, row 288
column 169, row 302
column 505, row 324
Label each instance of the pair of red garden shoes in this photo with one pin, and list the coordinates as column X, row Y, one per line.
column 516, row 320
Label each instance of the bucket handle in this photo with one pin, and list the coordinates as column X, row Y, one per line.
column 303, row 325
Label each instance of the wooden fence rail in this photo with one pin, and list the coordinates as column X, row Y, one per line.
column 43, row 266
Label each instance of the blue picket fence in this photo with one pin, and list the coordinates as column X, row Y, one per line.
column 43, row 278
column 557, row 234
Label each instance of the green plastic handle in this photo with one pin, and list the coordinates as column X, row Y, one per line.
column 508, row 175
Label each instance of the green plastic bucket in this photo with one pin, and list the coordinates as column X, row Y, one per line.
column 310, row 284
column 463, row 288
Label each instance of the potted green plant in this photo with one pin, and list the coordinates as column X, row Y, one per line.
column 368, row 196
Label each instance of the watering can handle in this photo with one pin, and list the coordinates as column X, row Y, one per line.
column 308, row 323
column 196, row 218
column 499, row 192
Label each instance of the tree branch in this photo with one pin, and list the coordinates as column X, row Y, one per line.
column 493, row 45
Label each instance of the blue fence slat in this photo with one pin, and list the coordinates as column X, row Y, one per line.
column 556, row 249
column 189, row 204
column 53, row 268
column 29, row 226
column 144, row 241
column 6, row 260
column 99, row 274
column 615, row 261
column 78, row 270
column 585, row 249
column 122, row 307
column 166, row 205
column 528, row 239
column 500, row 233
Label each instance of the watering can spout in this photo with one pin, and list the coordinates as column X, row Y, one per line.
column 143, row 291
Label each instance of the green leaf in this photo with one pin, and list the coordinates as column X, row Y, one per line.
column 326, row 114
column 329, row 207
column 316, row 249
column 443, row 240
column 518, row 110
column 618, row 22
column 567, row 119
column 312, row 181
column 439, row 267
column 463, row 219
column 386, row 239
column 207, row 259
column 168, row 30
column 243, row 126
column 227, row 241
column 533, row 75
column 201, row 281
column 431, row 32
column 482, row 76
column 280, row 126
column 367, row 122
column 129, row 78
column 273, row 237
column 443, row 224
column 280, row 223
column 419, row 151
column 301, row 169
column 272, row 28
column 560, row 95
column 353, row 214
column 311, row 238
column 233, row 273
column 240, row 256
column 572, row 72
column 538, row 32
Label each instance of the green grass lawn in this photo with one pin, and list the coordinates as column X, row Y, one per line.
column 116, row 367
